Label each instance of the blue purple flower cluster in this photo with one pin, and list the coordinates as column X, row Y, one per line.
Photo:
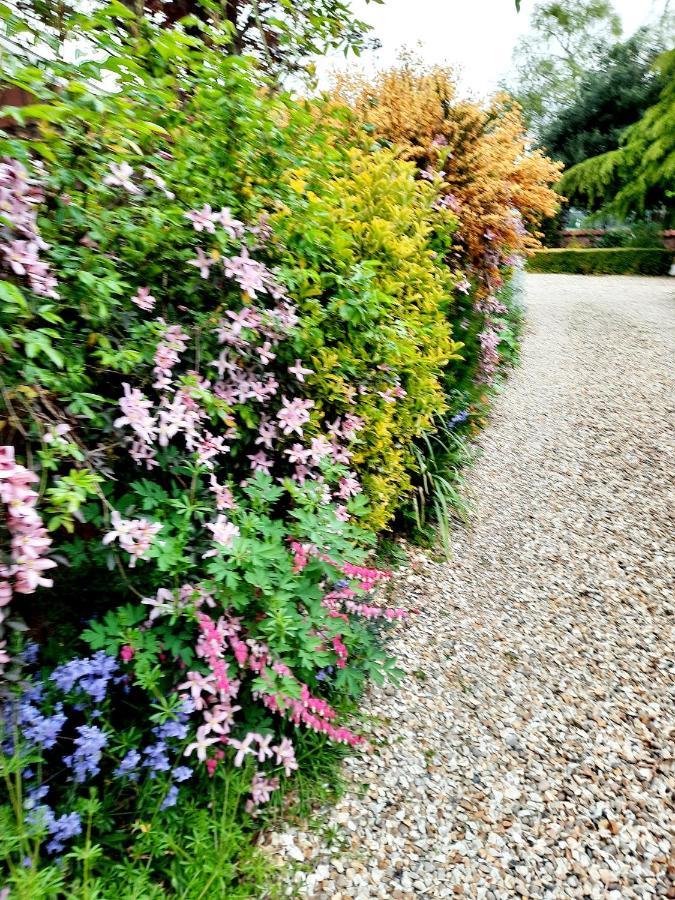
column 42, row 721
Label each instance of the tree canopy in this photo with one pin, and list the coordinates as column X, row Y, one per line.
column 283, row 35
column 561, row 46
column 640, row 173
column 609, row 99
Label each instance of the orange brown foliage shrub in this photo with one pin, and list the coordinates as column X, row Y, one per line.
column 499, row 187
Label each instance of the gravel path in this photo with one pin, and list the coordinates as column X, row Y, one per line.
column 528, row 751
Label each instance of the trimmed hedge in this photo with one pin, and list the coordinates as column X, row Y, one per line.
column 608, row 261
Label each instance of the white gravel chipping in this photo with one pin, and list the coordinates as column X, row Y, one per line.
column 529, row 750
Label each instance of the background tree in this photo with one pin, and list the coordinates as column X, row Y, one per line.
column 553, row 58
column 283, row 35
column 608, row 100
column 640, row 174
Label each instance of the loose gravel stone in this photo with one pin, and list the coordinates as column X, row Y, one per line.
column 529, row 750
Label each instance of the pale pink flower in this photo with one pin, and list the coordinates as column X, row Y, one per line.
column 267, row 432
column 5, row 593
column 218, row 718
column 224, row 534
column 203, row 219
column 144, row 299
column 120, row 176
column 224, row 496
column 297, row 453
column 260, row 462
column 349, row 486
column 242, row 747
column 320, row 448
column 29, row 575
column 299, row 371
column 202, row 262
column 209, row 446
column 285, row 754
column 159, row 182
column 135, row 407
column 226, row 220
column 198, row 684
column 265, row 353
column 201, row 744
column 293, row 415
column 55, row 432
column 252, row 276
column 261, row 789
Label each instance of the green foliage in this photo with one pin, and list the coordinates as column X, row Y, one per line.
column 596, row 261
column 283, row 38
column 640, row 174
column 206, row 850
column 360, row 241
column 553, row 57
column 610, row 97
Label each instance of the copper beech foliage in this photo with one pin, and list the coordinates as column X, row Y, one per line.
column 499, row 186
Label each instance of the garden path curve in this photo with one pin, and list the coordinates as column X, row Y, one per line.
column 527, row 751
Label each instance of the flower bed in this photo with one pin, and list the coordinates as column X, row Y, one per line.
column 224, row 325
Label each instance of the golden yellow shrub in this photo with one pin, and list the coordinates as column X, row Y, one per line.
column 499, row 187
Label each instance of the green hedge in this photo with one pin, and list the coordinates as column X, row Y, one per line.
column 607, row 261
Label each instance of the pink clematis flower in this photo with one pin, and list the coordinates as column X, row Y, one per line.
column 202, row 262
column 293, row 415
column 203, row 219
column 144, row 299
column 299, row 371
column 120, row 176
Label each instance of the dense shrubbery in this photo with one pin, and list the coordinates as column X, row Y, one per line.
column 603, row 261
column 497, row 191
column 227, row 327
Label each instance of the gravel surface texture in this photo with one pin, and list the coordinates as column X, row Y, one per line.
column 529, row 750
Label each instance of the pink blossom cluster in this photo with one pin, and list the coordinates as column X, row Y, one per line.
column 206, row 219
column 335, row 600
column 136, row 536
column 343, row 595
column 167, row 354
column 249, row 338
column 261, row 790
column 312, row 712
column 489, row 356
column 20, row 241
column 490, row 306
column 213, row 694
column 29, row 539
column 173, row 603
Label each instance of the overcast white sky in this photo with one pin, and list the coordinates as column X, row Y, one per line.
column 475, row 35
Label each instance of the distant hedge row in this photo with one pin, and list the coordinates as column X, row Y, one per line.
column 610, row 261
